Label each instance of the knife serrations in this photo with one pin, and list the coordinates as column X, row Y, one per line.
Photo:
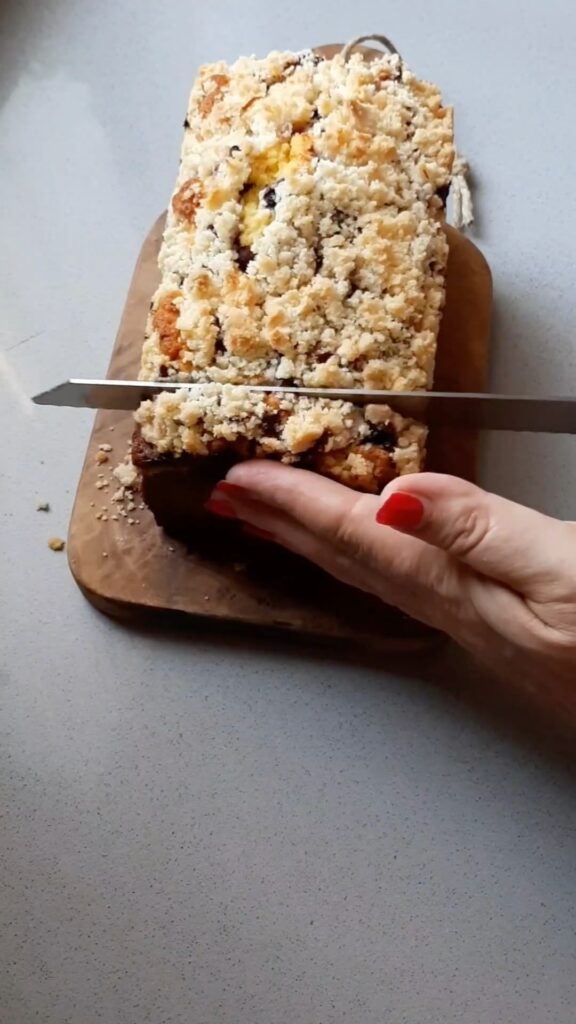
column 518, row 413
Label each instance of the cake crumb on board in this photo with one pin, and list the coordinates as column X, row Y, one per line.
column 126, row 473
column 56, row 544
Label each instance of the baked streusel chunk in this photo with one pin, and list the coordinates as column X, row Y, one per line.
column 304, row 245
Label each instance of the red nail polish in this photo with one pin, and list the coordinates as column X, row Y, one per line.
column 255, row 531
column 232, row 489
column 403, row 511
column 220, row 508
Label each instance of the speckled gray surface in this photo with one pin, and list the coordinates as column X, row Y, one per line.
column 202, row 831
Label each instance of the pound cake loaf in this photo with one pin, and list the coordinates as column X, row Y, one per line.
column 304, row 245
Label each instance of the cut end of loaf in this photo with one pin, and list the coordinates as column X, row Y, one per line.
column 362, row 447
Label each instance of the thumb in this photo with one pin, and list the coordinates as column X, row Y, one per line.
column 517, row 546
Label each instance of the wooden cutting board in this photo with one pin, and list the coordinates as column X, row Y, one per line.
column 134, row 571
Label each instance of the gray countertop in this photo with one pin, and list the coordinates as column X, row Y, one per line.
column 202, row 830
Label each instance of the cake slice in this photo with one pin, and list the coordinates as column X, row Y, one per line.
column 304, row 245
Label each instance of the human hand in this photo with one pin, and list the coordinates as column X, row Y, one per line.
column 497, row 577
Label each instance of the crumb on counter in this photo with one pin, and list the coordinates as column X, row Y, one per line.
column 43, row 506
column 56, row 544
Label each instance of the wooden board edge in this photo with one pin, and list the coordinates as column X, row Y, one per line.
column 210, row 623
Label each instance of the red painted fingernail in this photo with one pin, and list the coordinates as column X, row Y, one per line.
column 255, row 531
column 220, row 508
column 232, row 489
column 403, row 511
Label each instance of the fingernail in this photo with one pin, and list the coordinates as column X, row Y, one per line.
column 255, row 531
column 232, row 489
column 220, row 508
column 403, row 511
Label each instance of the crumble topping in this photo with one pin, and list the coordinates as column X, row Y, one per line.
column 363, row 447
column 304, row 243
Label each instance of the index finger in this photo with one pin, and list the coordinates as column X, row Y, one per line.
column 307, row 512
column 320, row 505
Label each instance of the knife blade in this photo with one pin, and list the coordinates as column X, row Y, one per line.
column 548, row 415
